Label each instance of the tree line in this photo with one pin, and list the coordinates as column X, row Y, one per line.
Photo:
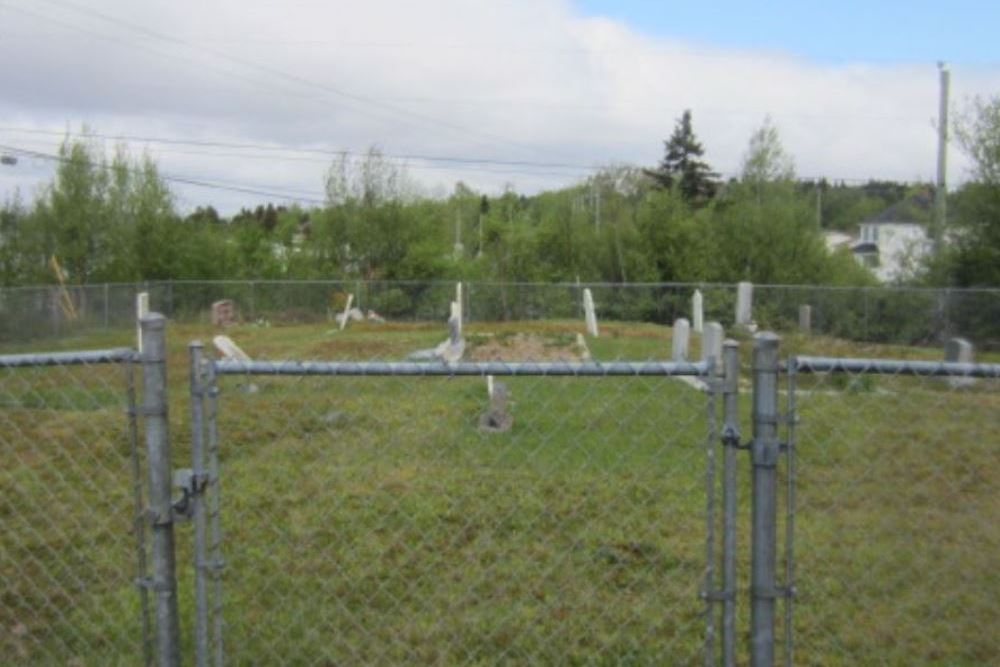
column 116, row 220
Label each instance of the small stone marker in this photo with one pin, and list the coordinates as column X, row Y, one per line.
column 805, row 318
column 589, row 315
column 744, row 304
column 347, row 312
column 711, row 344
column 697, row 311
column 682, row 333
column 229, row 349
column 223, row 313
column 581, row 346
column 959, row 350
column 141, row 311
column 497, row 419
column 489, row 386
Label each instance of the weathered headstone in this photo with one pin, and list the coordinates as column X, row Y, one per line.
column 588, row 311
column 497, row 419
column 805, row 318
column 456, row 314
column 141, row 311
column 697, row 311
column 581, row 346
column 744, row 304
column 681, row 336
column 229, row 349
column 711, row 344
column 959, row 350
column 223, row 313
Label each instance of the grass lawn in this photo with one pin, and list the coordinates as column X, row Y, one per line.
column 370, row 520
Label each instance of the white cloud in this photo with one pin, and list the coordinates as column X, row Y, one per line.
column 525, row 80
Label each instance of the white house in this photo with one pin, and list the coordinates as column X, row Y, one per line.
column 893, row 243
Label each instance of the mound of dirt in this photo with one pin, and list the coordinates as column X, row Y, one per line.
column 523, row 347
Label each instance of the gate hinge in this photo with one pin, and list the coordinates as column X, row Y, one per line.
column 731, row 438
column 787, row 592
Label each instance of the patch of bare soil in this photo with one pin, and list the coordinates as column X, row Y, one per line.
column 523, row 347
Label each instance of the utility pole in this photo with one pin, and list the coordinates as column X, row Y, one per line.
column 941, row 192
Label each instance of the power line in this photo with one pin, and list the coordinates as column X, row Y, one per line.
column 298, row 80
column 311, row 198
column 459, row 160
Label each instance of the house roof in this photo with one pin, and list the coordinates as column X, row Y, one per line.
column 915, row 209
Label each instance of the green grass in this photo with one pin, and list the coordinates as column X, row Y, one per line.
column 369, row 520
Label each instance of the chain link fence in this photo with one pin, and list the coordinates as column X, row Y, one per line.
column 899, row 315
column 71, row 499
column 895, row 505
column 393, row 513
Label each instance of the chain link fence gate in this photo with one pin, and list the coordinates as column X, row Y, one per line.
column 892, row 490
column 71, row 506
column 392, row 513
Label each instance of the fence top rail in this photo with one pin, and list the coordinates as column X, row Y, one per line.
column 71, row 358
column 891, row 367
column 500, row 368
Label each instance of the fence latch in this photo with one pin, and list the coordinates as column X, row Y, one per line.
column 190, row 484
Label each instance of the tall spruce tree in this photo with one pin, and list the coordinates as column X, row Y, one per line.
column 682, row 167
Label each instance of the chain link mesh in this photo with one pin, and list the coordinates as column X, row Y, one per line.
column 896, row 538
column 69, row 492
column 380, row 520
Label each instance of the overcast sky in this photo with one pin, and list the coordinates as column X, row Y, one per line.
column 542, row 91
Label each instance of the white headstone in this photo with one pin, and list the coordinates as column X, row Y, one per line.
column 589, row 315
column 229, row 349
column 489, row 385
column 697, row 311
column 682, row 333
column 456, row 314
column 805, row 318
column 459, row 301
column 347, row 312
column 959, row 350
column 711, row 344
column 744, row 304
column 141, row 311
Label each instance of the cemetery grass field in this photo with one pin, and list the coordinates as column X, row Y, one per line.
column 370, row 520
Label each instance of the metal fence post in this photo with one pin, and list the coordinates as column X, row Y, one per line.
column 731, row 441
column 763, row 539
column 215, row 529
column 198, row 515
column 154, row 410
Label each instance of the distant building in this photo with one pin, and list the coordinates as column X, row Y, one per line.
column 893, row 243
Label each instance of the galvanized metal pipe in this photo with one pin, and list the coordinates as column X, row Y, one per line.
column 790, row 519
column 406, row 368
column 710, row 589
column 215, row 528
column 731, row 438
column 199, row 519
column 763, row 538
column 893, row 367
column 154, row 410
column 113, row 356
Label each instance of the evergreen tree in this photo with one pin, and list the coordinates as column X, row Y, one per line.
column 681, row 166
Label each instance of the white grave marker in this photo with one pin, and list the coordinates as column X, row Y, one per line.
column 141, row 311
column 347, row 312
column 589, row 314
column 229, row 349
column 682, row 334
column 805, row 318
column 711, row 344
column 959, row 350
column 744, row 304
column 458, row 300
column 697, row 311
column 456, row 314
